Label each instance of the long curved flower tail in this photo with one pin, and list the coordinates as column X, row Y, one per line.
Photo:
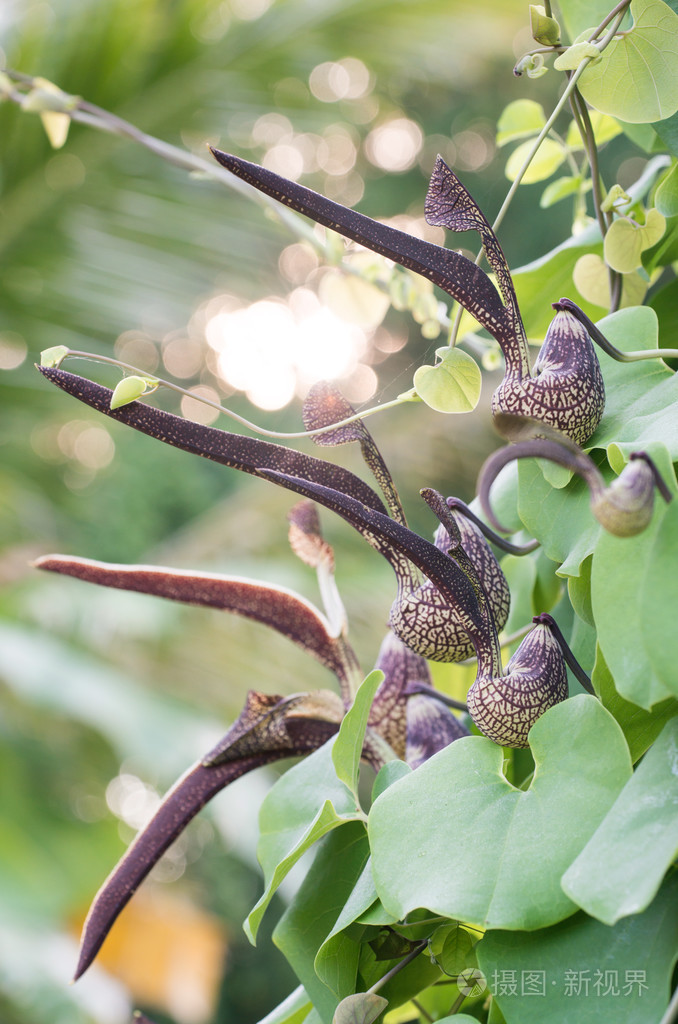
column 274, row 606
column 268, row 729
column 454, row 273
column 180, row 805
column 234, row 450
column 450, row 205
column 324, row 405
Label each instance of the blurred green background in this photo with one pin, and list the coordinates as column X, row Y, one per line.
column 107, row 697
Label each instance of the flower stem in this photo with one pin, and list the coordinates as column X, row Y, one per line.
column 407, row 396
column 568, row 91
column 421, row 1010
column 412, row 955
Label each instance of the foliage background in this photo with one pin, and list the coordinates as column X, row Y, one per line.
column 106, row 697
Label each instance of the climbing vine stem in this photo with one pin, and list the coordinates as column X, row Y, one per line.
column 616, row 16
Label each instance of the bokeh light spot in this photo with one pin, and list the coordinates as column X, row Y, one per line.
column 182, row 357
column 198, row 411
column 13, row 350
column 394, row 145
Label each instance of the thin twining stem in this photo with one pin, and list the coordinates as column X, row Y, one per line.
column 588, row 138
column 422, row 1011
column 569, row 89
column 412, row 955
column 93, row 116
column 616, row 353
column 604, row 219
column 408, row 396
column 96, row 117
column 620, row 9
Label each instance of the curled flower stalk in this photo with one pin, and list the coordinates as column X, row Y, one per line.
column 624, row 507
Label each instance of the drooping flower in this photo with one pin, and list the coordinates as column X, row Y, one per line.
column 564, row 388
column 403, row 722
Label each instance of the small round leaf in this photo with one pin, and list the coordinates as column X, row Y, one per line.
column 626, row 240
column 450, row 946
column 520, row 119
column 452, row 385
column 128, row 390
column 591, row 279
column 361, row 1008
column 53, row 356
column 545, row 162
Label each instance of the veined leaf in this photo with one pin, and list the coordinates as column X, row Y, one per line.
column 635, row 79
column 585, row 971
column 452, row 385
column 472, row 862
column 620, row 869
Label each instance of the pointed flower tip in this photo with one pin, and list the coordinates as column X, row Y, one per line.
column 83, row 963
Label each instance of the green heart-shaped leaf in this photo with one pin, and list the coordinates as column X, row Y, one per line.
column 626, row 240
column 635, row 79
column 485, row 852
column 452, row 385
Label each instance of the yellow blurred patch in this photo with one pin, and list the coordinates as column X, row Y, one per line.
column 169, row 954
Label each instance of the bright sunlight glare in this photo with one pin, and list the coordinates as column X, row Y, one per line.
column 274, row 350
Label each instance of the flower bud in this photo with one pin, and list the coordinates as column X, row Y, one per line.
column 625, row 507
column 545, row 29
